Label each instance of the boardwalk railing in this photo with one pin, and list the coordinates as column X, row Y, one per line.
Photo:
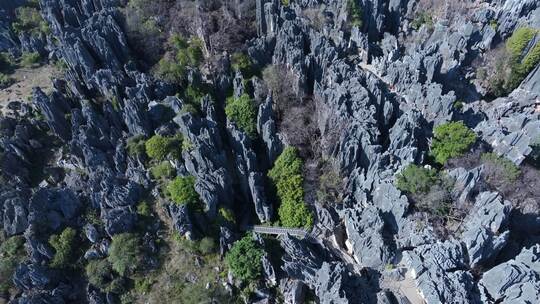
column 279, row 230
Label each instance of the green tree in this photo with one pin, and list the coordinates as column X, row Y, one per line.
column 182, row 190
column 30, row 60
column 207, row 245
column 135, row 145
column 244, row 259
column 242, row 63
column 125, row 253
column 450, row 140
column 355, row 13
column 64, row 246
column 287, row 177
column 99, row 273
column 158, row 147
column 162, row 170
column 242, row 112
column 415, row 179
column 29, row 21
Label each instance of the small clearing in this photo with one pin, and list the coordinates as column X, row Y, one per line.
column 25, row 80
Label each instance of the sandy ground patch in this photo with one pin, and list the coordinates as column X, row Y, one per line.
column 25, row 80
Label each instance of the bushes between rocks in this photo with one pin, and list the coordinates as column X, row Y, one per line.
column 30, row 60
column 29, row 21
column 421, row 19
column 286, row 175
column 242, row 63
column 244, row 259
column 242, row 112
column 64, row 248
column 11, row 254
column 182, row 190
column 135, row 145
column 499, row 168
column 158, row 147
column 515, row 66
column 355, row 13
column 172, row 67
column 451, row 140
column 163, row 170
column 429, row 189
column 125, row 253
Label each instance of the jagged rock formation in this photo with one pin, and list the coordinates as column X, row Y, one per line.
column 375, row 89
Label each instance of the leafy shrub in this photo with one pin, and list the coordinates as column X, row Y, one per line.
column 158, row 147
column 244, row 259
column 163, row 170
column 415, row 179
column 64, row 247
column 124, row 253
column 227, row 215
column 355, row 13
column 286, row 175
column 143, row 208
column 99, row 273
column 519, row 40
column 30, row 60
column 29, row 21
column 143, row 285
column 135, row 145
column 207, row 245
column 242, row 112
column 242, row 63
column 170, row 71
column 11, row 254
column 421, row 19
column 450, row 140
column 428, row 189
column 504, row 167
column 182, row 190
column 285, row 2
column 512, row 69
column 172, row 67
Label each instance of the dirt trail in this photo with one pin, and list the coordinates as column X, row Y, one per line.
column 25, row 80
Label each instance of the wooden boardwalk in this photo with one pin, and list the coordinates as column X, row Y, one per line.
column 279, row 231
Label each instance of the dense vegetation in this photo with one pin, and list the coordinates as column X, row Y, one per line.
column 243, row 113
column 421, row 19
column 241, row 62
column 182, row 190
column 64, row 247
column 355, row 13
column 159, row 147
column 184, row 54
column 11, row 254
column 287, row 177
column 415, row 179
column 244, row 259
column 29, row 20
column 429, row 189
column 450, row 140
column 514, row 65
column 125, row 253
